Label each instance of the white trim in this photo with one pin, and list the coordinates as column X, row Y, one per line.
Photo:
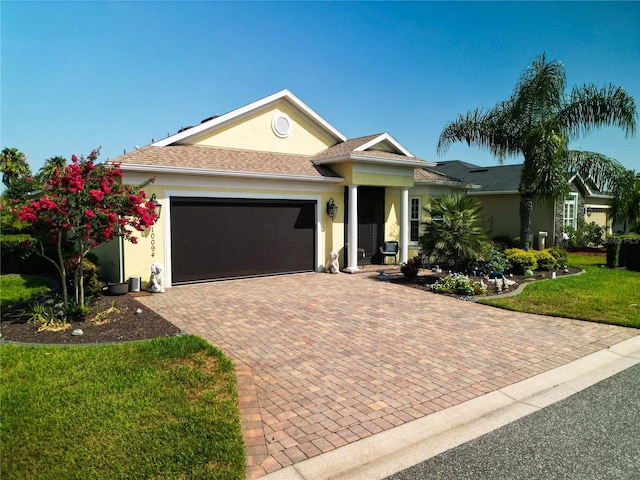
column 363, row 158
column 242, row 111
column 166, row 213
column 574, row 202
column 352, row 230
column 405, row 210
column 381, row 138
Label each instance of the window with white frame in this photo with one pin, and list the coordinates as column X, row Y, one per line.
column 569, row 218
column 414, row 220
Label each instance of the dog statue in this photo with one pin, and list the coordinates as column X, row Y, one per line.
column 332, row 266
column 156, row 284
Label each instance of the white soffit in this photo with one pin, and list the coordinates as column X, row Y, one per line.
column 238, row 113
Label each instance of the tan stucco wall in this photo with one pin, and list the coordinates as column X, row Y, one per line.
column 254, row 132
column 502, row 217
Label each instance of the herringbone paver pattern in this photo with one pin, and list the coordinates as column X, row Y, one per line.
column 324, row 360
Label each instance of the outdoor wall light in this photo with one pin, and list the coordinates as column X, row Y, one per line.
column 156, row 204
column 332, row 209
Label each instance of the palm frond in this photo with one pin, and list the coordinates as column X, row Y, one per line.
column 538, row 95
column 589, row 107
column 602, row 170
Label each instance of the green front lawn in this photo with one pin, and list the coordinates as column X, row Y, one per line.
column 18, row 288
column 164, row 408
column 601, row 295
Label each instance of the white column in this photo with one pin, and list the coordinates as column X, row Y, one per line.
column 404, row 225
column 352, row 233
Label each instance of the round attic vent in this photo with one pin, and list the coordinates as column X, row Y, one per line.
column 281, row 125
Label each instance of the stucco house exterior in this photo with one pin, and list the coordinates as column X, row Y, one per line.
column 497, row 190
column 247, row 193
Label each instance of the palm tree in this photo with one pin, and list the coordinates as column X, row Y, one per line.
column 537, row 122
column 50, row 166
column 625, row 206
column 13, row 165
column 454, row 234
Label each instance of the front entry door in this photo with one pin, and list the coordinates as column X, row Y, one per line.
column 370, row 223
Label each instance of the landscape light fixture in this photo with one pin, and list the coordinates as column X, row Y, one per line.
column 157, row 206
column 332, row 209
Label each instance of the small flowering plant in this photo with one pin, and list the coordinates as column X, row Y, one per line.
column 459, row 284
column 86, row 204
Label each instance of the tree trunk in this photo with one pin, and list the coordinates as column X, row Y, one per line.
column 526, row 207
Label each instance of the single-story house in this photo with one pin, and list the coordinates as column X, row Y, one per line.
column 253, row 192
column 497, row 190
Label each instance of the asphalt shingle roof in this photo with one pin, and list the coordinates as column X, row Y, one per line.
column 216, row 159
column 502, row 178
column 197, row 157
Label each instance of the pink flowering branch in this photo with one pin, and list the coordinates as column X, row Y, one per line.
column 87, row 204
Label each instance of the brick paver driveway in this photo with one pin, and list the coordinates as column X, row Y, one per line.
column 324, row 360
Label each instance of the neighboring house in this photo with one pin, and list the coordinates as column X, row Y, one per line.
column 247, row 193
column 498, row 192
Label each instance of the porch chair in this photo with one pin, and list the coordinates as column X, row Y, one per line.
column 389, row 249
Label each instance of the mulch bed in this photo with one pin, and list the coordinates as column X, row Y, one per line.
column 124, row 325
column 427, row 278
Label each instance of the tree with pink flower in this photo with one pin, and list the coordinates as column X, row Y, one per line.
column 85, row 204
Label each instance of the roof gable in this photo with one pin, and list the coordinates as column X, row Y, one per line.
column 279, row 123
column 384, row 143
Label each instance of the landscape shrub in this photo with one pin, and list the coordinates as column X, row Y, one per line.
column 411, row 268
column 458, row 284
column 585, row 235
column 545, row 260
column 560, row 254
column 521, row 260
column 491, row 259
column 613, row 252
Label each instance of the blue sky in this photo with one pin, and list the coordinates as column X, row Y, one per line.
column 77, row 75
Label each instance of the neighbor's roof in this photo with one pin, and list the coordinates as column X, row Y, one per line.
column 502, row 178
column 429, row 176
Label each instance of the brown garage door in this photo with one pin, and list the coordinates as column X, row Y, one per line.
column 232, row 238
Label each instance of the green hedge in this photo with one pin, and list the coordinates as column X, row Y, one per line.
column 624, row 251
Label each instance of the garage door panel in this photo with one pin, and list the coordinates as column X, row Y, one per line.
column 222, row 238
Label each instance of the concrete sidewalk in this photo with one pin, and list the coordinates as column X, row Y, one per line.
column 394, row 450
